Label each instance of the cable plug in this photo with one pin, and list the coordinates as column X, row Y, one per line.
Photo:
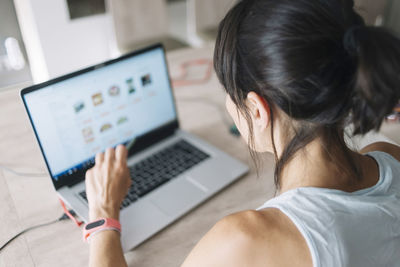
column 65, row 216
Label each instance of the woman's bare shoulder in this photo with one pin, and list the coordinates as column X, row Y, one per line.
column 251, row 238
column 391, row 149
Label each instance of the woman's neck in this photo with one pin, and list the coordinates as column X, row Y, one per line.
column 316, row 166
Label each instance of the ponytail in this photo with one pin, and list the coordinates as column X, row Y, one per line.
column 376, row 53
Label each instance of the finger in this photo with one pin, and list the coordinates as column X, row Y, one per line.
column 99, row 158
column 88, row 174
column 121, row 153
column 109, row 155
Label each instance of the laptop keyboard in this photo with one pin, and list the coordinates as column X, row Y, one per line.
column 160, row 168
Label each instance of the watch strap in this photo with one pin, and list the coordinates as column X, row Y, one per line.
column 100, row 225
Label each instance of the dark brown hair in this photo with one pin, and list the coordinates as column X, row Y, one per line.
column 316, row 61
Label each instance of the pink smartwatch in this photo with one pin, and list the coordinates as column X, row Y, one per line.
column 100, row 225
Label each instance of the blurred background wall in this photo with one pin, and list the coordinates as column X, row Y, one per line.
column 392, row 15
column 13, row 64
column 60, row 41
column 65, row 35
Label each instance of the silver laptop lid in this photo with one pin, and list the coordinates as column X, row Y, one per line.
column 80, row 114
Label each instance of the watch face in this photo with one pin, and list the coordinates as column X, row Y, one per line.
column 95, row 224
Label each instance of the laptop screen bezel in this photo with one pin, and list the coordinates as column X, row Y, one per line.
column 141, row 142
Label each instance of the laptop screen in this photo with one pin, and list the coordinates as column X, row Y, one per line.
column 80, row 116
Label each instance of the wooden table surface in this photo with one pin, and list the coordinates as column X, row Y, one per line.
column 27, row 201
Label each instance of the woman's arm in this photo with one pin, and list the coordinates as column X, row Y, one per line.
column 106, row 185
column 106, row 250
column 391, row 149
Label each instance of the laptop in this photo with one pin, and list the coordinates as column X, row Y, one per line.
column 127, row 100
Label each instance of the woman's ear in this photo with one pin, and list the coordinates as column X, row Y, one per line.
column 259, row 109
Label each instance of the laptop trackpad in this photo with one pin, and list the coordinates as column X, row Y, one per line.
column 177, row 197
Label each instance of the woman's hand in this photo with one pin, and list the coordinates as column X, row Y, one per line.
column 107, row 183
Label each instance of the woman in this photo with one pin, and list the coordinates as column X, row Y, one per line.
column 296, row 74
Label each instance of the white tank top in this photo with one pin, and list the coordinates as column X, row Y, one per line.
column 358, row 229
